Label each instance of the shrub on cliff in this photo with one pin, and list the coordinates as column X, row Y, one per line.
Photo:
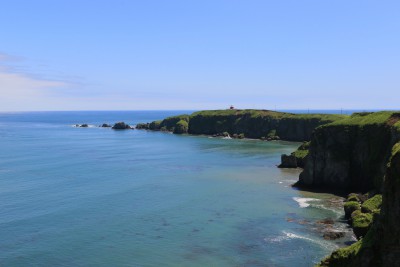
column 350, row 207
column 361, row 223
column 353, row 197
column 373, row 204
column 155, row 125
column 181, row 127
column 349, row 256
column 143, row 126
column 170, row 123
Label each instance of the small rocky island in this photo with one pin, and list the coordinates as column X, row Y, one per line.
column 121, row 126
column 117, row 126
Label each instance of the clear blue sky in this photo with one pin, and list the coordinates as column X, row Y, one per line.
column 129, row 55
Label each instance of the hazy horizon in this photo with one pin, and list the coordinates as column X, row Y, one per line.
column 178, row 55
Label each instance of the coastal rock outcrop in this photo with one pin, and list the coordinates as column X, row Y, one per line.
column 332, row 235
column 297, row 158
column 121, row 126
column 181, row 127
column 288, row 161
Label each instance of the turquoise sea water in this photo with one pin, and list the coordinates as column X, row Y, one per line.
column 98, row 197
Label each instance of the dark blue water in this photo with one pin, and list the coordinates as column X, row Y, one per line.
column 98, row 197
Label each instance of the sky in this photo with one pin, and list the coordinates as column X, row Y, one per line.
column 200, row 54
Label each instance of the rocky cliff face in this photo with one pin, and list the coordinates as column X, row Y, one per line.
column 261, row 124
column 381, row 246
column 297, row 158
column 388, row 237
column 351, row 154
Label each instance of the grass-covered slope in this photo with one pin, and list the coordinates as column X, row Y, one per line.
column 248, row 123
column 351, row 154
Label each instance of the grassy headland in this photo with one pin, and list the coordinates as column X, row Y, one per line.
column 351, row 154
column 248, row 123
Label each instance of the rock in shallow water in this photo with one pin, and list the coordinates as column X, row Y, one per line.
column 121, row 126
column 332, row 235
column 288, row 161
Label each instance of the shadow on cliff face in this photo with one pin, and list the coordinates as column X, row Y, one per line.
column 381, row 245
column 351, row 155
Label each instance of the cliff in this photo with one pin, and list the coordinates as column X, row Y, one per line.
column 297, row 158
column 263, row 124
column 361, row 153
column 381, row 245
column 351, row 154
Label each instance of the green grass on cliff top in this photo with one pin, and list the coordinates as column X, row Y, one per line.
column 267, row 113
column 372, row 204
column 369, row 118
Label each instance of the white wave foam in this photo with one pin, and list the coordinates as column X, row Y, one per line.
column 294, row 236
column 321, row 243
column 286, row 236
column 338, row 212
column 276, row 239
column 303, row 201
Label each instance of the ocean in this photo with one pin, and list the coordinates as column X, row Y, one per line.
column 99, row 197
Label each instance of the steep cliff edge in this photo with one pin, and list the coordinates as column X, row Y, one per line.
column 263, row 124
column 351, row 154
column 259, row 123
column 381, row 245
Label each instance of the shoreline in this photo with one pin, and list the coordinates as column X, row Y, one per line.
column 344, row 155
column 330, row 228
